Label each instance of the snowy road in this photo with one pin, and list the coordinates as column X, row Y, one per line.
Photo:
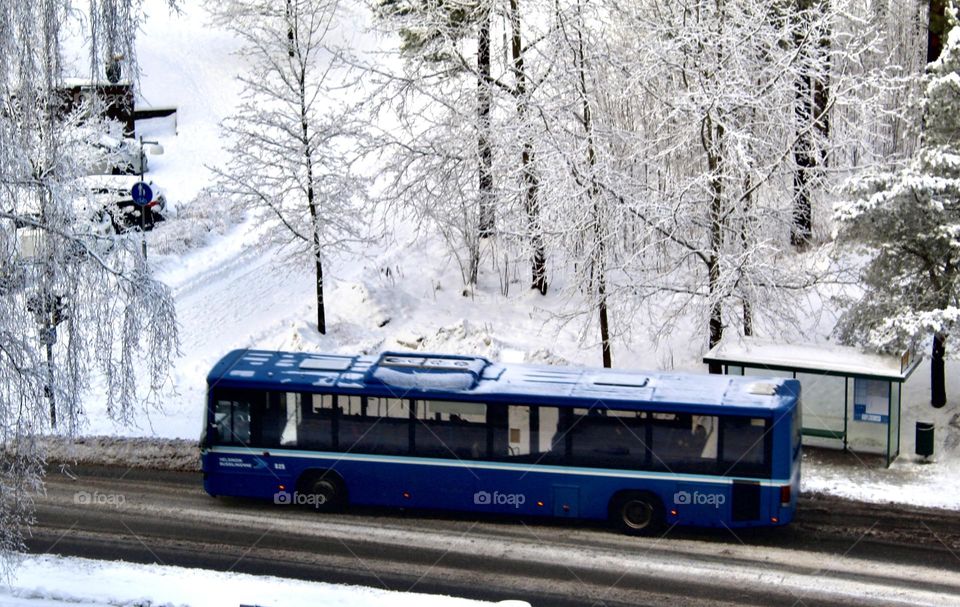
column 838, row 553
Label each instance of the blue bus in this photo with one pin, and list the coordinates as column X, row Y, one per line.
column 432, row 431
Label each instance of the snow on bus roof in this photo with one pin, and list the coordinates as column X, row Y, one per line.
column 839, row 360
column 418, row 375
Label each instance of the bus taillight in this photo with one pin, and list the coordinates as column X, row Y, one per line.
column 785, row 495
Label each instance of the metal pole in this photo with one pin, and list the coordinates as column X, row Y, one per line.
column 143, row 209
column 48, row 338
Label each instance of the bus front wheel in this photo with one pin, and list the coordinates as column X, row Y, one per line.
column 637, row 512
column 325, row 490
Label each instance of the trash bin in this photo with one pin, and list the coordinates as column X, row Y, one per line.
column 924, row 443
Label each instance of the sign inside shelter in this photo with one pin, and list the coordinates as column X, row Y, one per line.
column 871, row 401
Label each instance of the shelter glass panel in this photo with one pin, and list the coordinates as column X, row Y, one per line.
column 824, row 400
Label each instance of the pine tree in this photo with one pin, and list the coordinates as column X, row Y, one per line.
column 910, row 219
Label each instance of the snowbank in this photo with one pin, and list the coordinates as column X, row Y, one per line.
column 50, row 581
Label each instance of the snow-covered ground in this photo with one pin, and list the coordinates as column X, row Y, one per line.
column 52, row 581
column 401, row 294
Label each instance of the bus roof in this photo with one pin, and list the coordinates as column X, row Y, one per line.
column 445, row 376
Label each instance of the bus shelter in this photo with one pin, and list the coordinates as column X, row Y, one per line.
column 851, row 398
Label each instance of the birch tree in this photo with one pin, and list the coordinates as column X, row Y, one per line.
column 76, row 303
column 705, row 135
column 288, row 157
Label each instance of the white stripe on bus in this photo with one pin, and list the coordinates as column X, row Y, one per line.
column 444, row 463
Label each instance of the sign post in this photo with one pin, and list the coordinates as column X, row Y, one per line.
column 142, row 195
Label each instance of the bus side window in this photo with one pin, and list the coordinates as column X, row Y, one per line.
column 352, row 405
column 315, row 422
column 548, row 442
column 222, row 419
column 291, row 401
column 609, row 438
column 682, row 442
column 233, row 421
column 270, row 418
column 386, row 407
column 451, row 429
column 744, row 446
column 705, row 427
column 374, row 425
column 520, row 431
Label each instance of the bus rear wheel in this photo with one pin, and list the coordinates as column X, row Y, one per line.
column 637, row 512
column 325, row 491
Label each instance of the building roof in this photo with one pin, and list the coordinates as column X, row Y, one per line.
column 421, row 375
column 826, row 359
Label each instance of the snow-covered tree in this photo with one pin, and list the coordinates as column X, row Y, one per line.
column 432, row 34
column 288, row 158
column 908, row 220
column 457, row 86
column 76, row 301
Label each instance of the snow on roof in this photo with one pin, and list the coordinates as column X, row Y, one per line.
column 832, row 358
column 419, row 375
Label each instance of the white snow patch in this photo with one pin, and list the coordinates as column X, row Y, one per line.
column 54, row 581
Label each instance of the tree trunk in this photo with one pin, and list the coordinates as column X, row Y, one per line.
column 745, row 243
column 530, row 178
column 321, row 313
column 311, row 198
column 812, row 91
column 937, row 28
column 604, row 324
column 484, row 151
column 712, row 144
column 48, row 336
column 938, row 389
column 599, row 262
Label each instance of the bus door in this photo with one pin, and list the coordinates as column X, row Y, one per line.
column 237, row 422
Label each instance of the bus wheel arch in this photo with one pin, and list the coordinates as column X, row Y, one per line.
column 325, row 488
column 637, row 512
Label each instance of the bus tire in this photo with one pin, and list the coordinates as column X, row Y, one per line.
column 637, row 512
column 325, row 489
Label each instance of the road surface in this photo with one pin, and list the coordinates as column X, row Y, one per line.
column 836, row 553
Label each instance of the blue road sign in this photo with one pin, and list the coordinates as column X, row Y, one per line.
column 142, row 194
